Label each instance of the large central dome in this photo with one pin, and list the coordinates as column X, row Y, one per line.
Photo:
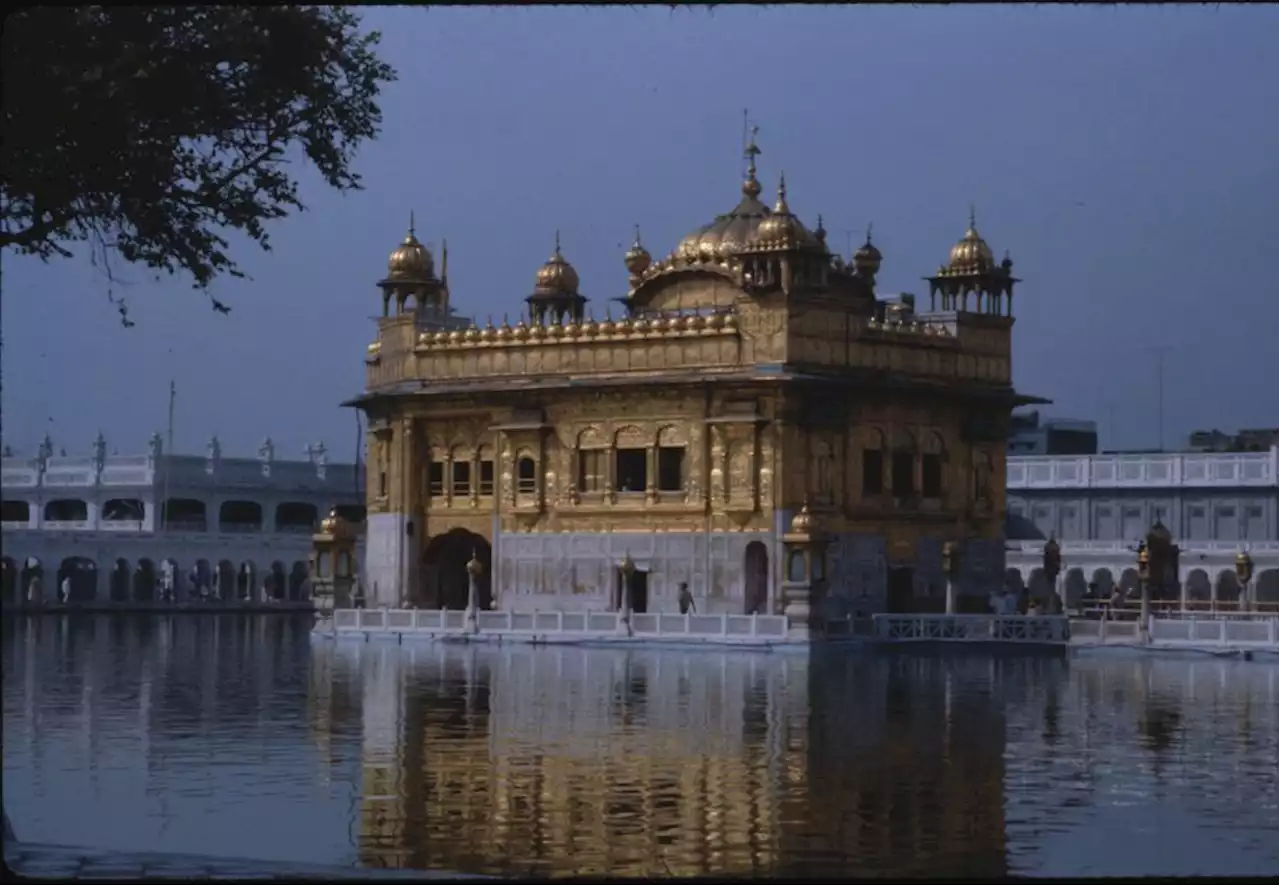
column 729, row 233
column 744, row 227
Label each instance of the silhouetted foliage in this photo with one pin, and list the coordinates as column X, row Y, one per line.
column 153, row 131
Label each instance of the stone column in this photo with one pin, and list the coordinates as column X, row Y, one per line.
column 407, row 504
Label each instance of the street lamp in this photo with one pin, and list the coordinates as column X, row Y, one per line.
column 627, row 569
column 475, row 568
column 951, row 569
column 1052, row 564
column 1244, row 571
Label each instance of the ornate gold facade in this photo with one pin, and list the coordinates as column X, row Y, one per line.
column 754, row 370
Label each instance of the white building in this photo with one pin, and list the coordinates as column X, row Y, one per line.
column 235, row 525
column 1215, row 504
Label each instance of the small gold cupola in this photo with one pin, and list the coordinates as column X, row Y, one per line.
column 971, row 279
column 637, row 258
column 781, row 230
column 971, row 254
column 555, row 290
column 866, row 261
column 411, row 260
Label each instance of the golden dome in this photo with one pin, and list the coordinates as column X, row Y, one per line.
column 637, row 258
column 782, row 229
column 411, row 260
column 867, row 258
column 557, row 276
column 971, row 254
column 802, row 522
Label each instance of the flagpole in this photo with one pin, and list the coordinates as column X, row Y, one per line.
column 168, row 455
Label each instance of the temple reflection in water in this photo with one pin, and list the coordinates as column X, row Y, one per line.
column 587, row 761
column 185, row 733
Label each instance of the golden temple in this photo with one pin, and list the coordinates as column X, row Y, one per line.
column 755, row 371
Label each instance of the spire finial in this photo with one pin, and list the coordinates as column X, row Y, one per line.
column 750, row 186
column 637, row 235
column 557, row 242
column 868, row 233
column 412, row 227
column 973, row 218
column 782, row 186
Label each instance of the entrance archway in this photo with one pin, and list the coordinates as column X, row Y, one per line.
column 901, row 590
column 444, row 570
column 9, row 572
column 755, row 586
column 82, row 574
column 245, row 576
column 120, row 581
column 226, row 586
column 144, row 581
column 278, row 580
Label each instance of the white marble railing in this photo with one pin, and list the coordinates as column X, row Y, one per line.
column 1129, row 548
column 970, row 628
column 1176, row 632
column 1187, row 469
column 649, row 625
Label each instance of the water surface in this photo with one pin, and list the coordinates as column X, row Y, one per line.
column 235, row 735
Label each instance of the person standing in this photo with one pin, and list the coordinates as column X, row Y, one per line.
column 64, row 590
column 686, row 600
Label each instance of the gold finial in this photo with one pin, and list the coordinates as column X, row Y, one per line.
column 637, row 244
column 751, row 187
column 782, row 208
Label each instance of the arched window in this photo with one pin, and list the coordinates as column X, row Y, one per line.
column 526, row 475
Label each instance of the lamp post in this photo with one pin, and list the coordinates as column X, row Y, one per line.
column 1051, row 562
column 951, row 569
column 1144, row 577
column 627, row 568
column 475, row 568
column 1244, row 572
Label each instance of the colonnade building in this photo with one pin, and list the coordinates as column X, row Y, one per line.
column 1215, row 505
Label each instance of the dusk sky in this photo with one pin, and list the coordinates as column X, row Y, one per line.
column 1125, row 156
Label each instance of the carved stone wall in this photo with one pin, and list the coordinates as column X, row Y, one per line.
column 577, row 571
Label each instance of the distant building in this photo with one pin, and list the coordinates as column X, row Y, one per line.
column 1029, row 434
column 1099, row 506
column 1242, row 441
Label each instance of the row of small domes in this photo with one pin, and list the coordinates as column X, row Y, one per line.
column 698, row 323
column 750, row 226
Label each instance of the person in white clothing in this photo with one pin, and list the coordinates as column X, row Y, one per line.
column 64, row 590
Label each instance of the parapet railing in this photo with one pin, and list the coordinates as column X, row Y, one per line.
column 1181, row 631
column 645, row 624
column 971, row 628
column 1131, row 610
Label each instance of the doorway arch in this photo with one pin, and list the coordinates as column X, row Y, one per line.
column 120, row 579
column 755, row 585
column 144, row 581
column 82, row 576
column 444, row 570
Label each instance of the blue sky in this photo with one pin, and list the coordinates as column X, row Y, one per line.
column 1126, row 157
